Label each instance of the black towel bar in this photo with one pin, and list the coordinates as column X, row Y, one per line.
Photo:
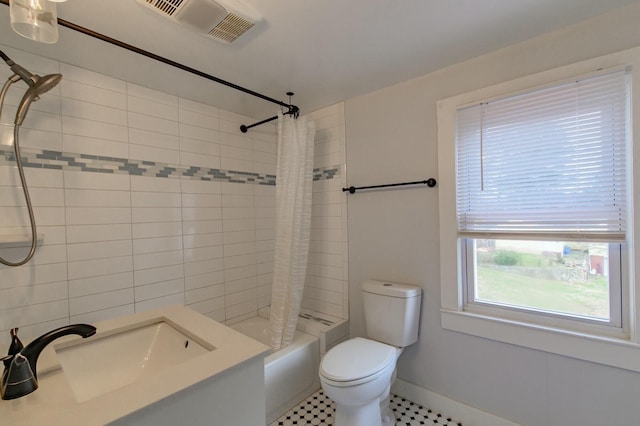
column 431, row 182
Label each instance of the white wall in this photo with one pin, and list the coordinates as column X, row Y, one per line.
column 394, row 235
column 122, row 240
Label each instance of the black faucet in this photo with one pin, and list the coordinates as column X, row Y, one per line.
column 20, row 376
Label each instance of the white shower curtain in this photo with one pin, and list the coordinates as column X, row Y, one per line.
column 293, row 225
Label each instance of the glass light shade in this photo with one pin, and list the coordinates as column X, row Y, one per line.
column 34, row 19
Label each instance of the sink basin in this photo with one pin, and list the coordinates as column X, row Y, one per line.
column 107, row 362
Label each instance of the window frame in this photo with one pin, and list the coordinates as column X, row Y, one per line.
column 588, row 343
column 617, row 327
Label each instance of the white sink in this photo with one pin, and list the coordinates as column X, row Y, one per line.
column 104, row 363
column 133, row 362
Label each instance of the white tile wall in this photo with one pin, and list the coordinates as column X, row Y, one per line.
column 265, row 217
column 98, row 245
column 158, row 259
column 326, row 289
column 239, row 238
column 114, row 244
column 203, row 250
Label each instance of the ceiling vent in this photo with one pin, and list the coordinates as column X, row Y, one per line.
column 222, row 20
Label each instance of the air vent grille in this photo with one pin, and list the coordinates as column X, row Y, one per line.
column 221, row 20
column 167, row 7
column 230, row 28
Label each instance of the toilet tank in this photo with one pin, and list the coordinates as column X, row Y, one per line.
column 392, row 312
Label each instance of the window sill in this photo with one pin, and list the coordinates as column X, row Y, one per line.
column 618, row 353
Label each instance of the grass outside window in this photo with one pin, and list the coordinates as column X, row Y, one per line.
column 564, row 278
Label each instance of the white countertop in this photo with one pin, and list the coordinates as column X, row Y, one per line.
column 53, row 403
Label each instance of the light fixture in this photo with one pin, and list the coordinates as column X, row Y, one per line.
column 34, row 19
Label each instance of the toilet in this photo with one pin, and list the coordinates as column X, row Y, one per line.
column 357, row 374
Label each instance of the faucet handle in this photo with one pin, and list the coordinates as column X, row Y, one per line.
column 15, row 347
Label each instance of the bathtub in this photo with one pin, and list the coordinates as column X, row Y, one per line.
column 290, row 374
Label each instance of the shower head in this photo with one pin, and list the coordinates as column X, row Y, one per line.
column 37, row 86
column 40, row 85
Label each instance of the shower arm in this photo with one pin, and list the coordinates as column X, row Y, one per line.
column 291, row 109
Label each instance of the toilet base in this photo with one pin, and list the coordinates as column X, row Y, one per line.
column 386, row 413
column 374, row 414
column 364, row 415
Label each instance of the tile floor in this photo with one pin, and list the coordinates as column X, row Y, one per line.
column 318, row 410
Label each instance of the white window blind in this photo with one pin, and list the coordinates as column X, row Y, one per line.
column 548, row 164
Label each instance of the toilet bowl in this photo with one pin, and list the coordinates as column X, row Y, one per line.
column 356, row 375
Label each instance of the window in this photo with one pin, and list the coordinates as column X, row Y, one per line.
column 537, row 241
column 575, row 284
column 541, row 202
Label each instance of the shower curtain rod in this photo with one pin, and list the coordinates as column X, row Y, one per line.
column 291, row 109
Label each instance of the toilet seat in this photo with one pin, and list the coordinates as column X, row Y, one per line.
column 357, row 361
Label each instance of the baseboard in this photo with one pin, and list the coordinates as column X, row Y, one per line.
column 465, row 414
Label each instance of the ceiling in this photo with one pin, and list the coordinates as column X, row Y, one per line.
column 325, row 51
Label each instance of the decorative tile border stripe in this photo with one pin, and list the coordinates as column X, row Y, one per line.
column 325, row 173
column 57, row 160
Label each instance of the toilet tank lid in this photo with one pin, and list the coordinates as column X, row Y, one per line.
column 387, row 288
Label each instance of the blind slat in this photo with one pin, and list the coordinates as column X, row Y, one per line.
column 549, row 163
